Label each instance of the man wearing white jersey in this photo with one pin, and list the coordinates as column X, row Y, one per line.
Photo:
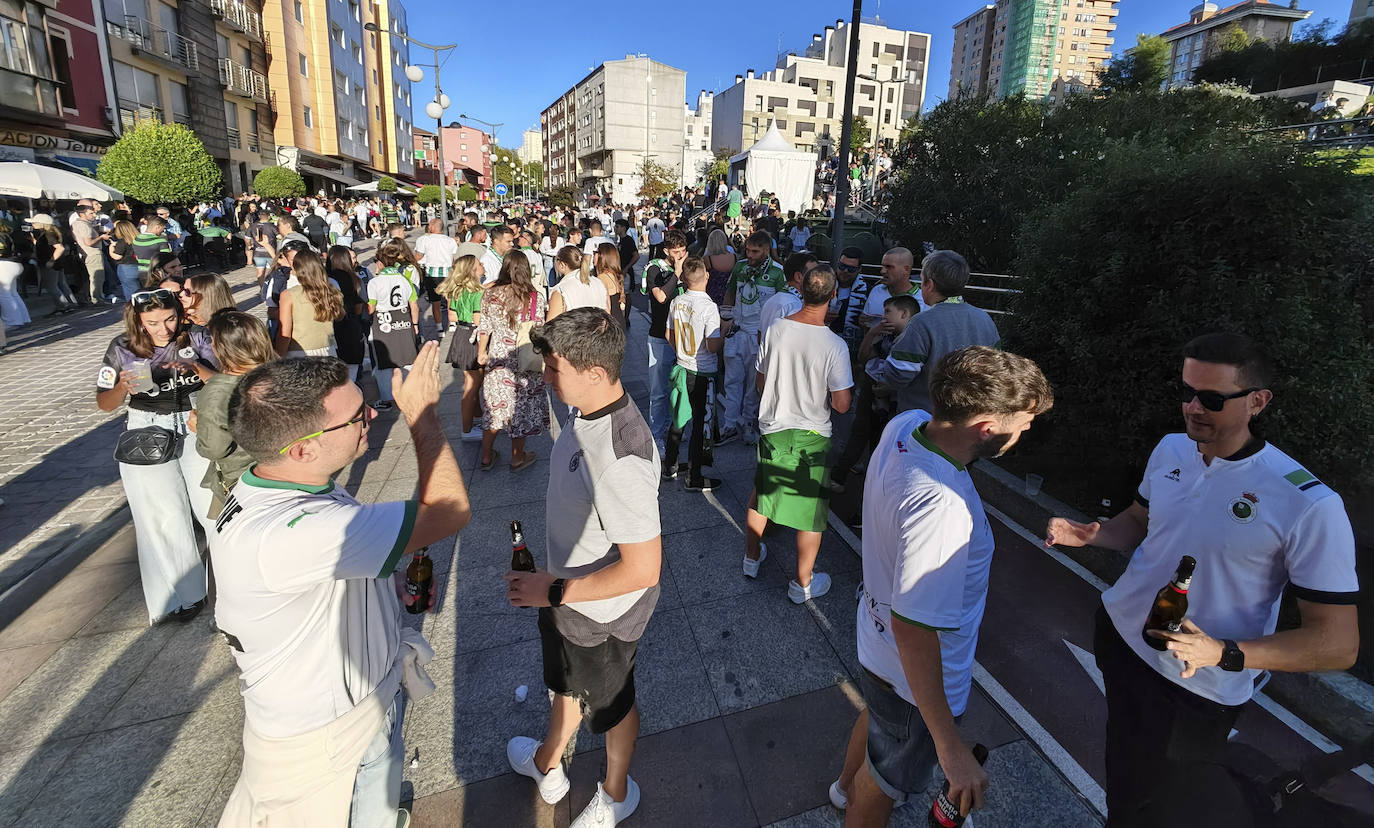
column 927, row 550
column 752, row 282
column 788, row 300
column 1256, row 522
column 437, row 252
column 309, row 583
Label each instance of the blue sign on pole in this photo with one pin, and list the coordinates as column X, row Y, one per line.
column 501, row 189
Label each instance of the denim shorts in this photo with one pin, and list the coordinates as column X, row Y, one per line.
column 901, row 754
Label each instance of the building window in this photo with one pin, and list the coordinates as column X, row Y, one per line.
column 300, row 12
column 379, row 112
column 307, row 118
column 305, row 71
column 379, row 147
column 59, row 43
column 464, row 159
column 357, row 54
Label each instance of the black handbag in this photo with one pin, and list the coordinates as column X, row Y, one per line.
column 148, row 446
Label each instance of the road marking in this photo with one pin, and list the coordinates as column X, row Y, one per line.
column 1055, row 752
column 1278, row 711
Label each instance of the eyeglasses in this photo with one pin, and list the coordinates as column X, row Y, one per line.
column 360, row 417
column 159, row 298
column 1210, row 400
column 187, row 292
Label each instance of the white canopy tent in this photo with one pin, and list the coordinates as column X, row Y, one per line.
column 371, row 187
column 777, row 167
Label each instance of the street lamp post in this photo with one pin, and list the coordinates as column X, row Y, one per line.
column 434, row 109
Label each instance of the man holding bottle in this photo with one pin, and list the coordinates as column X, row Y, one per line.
column 604, row 557
column 1254, row 521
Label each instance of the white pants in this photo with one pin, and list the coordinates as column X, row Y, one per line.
column 741, row 391
column 165, row 501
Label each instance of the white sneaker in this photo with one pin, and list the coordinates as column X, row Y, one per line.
column 604, row 812
column 553, row 786
column 837, row 797
column 820, row 585
column 751, row 568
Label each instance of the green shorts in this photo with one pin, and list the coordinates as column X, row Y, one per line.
column 792, row 480
column 732, row 211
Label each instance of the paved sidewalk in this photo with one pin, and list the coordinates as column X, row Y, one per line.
column 747, row 699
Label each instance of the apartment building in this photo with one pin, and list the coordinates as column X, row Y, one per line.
column 531, row 146
column 696, row 137
column 57, row 103
column 972, row 56
column 598, row 134
column 805, row 93
column 467, row 158
column 246, row 97
column 391, row 146
column 1047, row 49
column 425, row 147
column 1196, row 40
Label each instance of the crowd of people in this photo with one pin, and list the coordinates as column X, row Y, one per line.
column 238, row 425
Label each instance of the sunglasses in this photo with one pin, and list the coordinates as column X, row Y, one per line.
column 160, row 298
column 360, row 417
column 1210, row 400
column 847, row 268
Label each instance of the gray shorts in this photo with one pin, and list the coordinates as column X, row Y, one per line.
column 901, row 754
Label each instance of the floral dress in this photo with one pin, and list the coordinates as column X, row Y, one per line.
column 512, row 400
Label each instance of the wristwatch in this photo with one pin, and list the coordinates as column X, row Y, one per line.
column 1232, row 657
column 556, row 592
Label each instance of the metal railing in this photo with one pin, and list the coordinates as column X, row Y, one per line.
column 156, row 41
column 254, row 144
column 240, row 80
column 1349, row 132
column 235, row 142
column 993, row 292
column 238, row 16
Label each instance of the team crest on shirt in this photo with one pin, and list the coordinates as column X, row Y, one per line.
column 187, row 353
column 106, row 378
column 1173, row 475
column 575, row 461
column 1244, row 508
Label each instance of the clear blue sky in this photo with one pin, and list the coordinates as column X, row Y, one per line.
column 515, row 58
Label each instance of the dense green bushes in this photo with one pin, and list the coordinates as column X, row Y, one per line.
column 161, row 164
column 279, row 182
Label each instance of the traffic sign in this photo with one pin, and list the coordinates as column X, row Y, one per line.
column 502, row 189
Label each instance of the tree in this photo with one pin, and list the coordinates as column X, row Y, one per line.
column 386, row 184
column 718, row 167
column 1144, row 67
column 466, row 193
column 1233, row 39
column 428, row 194
column 279, row 182
column 658, row 179
column 1122, row 272
column 161, row 163
column 859, row 133
column 564, row 196
column 1314, row 56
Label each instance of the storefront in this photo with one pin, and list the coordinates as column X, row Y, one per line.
column 24, row 144
column 322, row 174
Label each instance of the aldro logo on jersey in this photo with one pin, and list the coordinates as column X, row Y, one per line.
column 1244, row 508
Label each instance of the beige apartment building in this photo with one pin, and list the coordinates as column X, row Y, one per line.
column 597, row 134
column 241, row 64
column 1196, row 40
column 972, row 56
column 804, row 93
column 1044, row 49
column 391, row 142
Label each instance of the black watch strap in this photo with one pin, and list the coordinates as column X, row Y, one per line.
column 1232, row 656
column 556, row 592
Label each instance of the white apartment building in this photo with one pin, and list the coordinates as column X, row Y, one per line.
column 531, row 147
column 804, row 94
column 597, row 134
column 696, row 139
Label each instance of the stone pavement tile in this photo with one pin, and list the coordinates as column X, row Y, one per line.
column 125, row 612
column 1027, row 792
column 24, row 771
column 147, row 774
column 91, row 673
column 984, row 723
column 18, row 663
column 707, row 564
column 835, row 556
column 687, row 777
column 680, row 510
column 462, row 728
column 502, row 487
column 760, row 648
column 735, row 456
column 791, row 750
column 193, row 670
column 223, row 786
column 69, row 604
column 510, row 799
column 835, row 614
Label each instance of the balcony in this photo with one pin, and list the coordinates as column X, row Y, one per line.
column 31, row 93
column 155, row 42
column 238, row 17
column 235, row 140
column 239, row 80
column 133, row 113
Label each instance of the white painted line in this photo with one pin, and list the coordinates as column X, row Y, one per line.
column 1055, row 752
column 846, row 534
column 1039, row 542
column 1278, row 711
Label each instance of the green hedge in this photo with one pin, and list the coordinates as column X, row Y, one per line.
column 279, row 182
column 161, row 163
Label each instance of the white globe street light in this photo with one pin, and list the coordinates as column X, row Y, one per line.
column 434, row 110
column 443, row 100
column 415, row 74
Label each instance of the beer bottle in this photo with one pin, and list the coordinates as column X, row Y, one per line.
column 419, row 577
column 520, row 558
column 1171, row 605
column 945, row 814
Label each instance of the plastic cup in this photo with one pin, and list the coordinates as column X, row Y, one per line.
column 1033, row 484
column 143, row 375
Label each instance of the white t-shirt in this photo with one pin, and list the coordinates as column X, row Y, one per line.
column 695, row 318
column 491, row 264
column 783, row 303
column 603, row 491
column 338, row 225
column 801, row 363
column 305, row 597
column 1254, row 523
column 577, row 295
column 436, row 250
column 655, row 228
column 927, row 551
column 391, row 291
column 879, row 295
column 593, row 242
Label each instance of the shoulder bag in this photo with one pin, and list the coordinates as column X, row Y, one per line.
column 529, row 359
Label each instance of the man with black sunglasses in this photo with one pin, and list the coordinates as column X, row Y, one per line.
column 1256, row 522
